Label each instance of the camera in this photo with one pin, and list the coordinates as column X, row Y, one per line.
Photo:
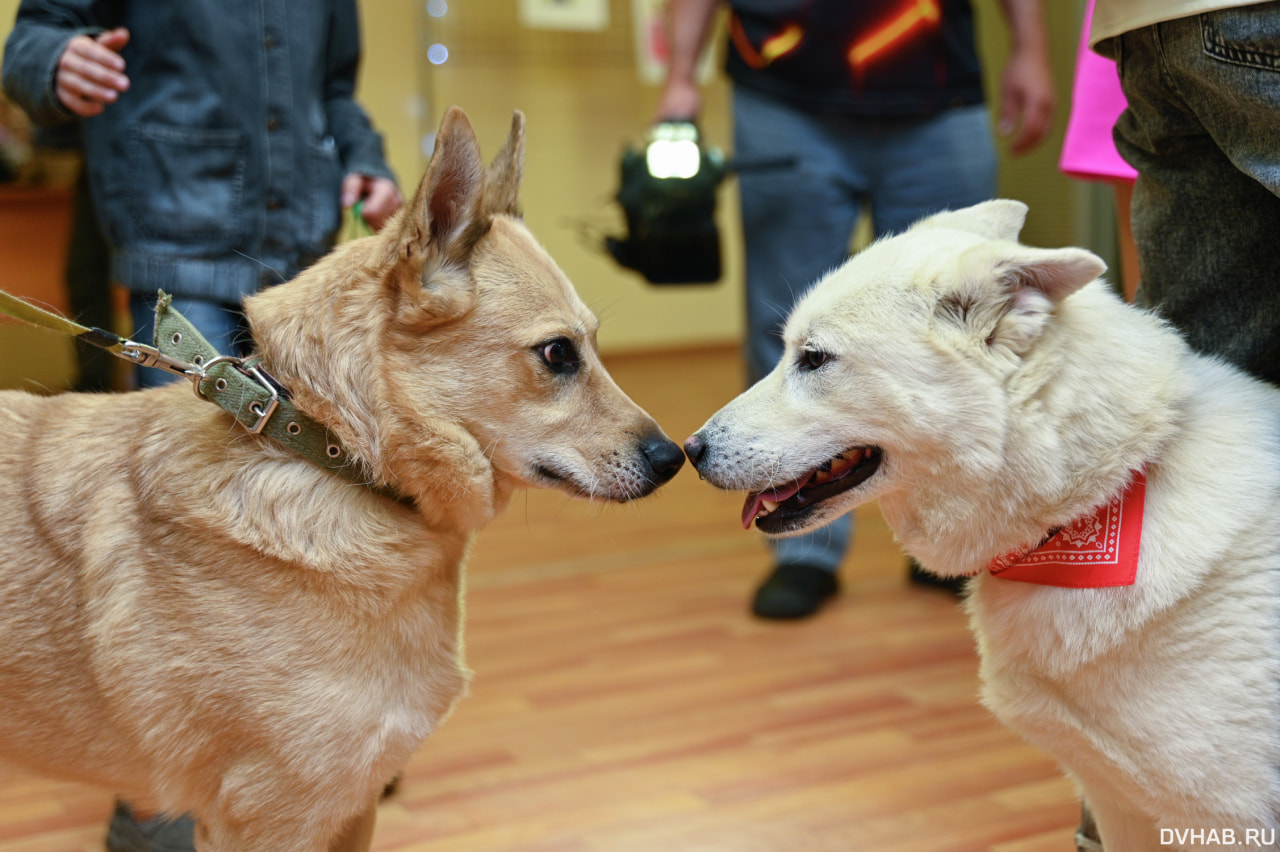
column 668, row 195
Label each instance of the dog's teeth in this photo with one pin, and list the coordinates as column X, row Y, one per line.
column 766, row 508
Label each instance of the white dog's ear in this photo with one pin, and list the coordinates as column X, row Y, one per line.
column 443, row 223
column 1001, row 219
column 502, row 184
column 1034, row 281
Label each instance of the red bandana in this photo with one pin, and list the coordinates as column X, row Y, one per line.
column 1092, row 552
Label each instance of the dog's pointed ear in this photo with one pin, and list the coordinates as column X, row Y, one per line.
column 448, row 204
column 1000, row 219
column 1033, row 282
column 444, row 221
column 502, row 184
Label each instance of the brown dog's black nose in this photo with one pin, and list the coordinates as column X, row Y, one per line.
column 694, row 448
column 663, row 456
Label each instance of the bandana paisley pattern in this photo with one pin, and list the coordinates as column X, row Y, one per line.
column 1093, row 552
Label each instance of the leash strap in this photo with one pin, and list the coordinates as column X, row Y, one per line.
column 239, row 386
column 138, row 353
column 30, row 314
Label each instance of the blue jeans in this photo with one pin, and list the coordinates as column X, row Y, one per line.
column 224, row 326
column 798, row 221
column 1203, row 131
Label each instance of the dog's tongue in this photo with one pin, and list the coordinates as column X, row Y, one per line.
column 752, row 507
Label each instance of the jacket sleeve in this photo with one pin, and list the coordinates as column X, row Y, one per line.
column 40, row 35
column 359, row 145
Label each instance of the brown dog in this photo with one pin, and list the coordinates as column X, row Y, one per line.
column 199, row 620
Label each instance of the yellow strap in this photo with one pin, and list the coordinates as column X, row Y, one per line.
column 29, row 313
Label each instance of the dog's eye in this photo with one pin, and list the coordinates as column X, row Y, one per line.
column 812, row 359
column 560, row 355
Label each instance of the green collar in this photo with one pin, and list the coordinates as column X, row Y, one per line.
column 244, row 389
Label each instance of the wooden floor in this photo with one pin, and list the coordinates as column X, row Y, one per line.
column 625, row 701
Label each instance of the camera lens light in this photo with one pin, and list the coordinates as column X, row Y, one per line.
column 673, row 158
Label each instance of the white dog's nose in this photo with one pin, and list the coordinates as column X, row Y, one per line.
column 694, row 448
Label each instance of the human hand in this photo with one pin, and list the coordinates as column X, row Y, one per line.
column 90, row 72
column 380, row 195
column 1026, row 101
column 681, row 101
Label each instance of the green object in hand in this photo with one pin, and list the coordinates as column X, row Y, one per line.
column 354, row 225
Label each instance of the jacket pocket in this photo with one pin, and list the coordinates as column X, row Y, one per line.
column 187, row 185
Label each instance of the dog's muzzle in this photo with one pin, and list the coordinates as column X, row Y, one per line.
column 784, row 508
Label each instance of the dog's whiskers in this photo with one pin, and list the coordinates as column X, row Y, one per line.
column 263, row 264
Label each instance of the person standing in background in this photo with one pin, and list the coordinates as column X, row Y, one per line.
column 222, row 140
column 1202, row 82
column 877, row 103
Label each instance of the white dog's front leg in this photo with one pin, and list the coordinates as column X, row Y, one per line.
column 1124, row 828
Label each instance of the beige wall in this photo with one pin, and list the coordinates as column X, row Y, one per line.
column 584, row 104
column 390, row 85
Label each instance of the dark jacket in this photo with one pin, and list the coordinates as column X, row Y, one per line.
column 219, row 170
column 873, row 58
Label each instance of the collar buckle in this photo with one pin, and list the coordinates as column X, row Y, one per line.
column 261, row 408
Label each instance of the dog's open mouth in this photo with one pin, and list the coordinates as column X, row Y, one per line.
column 777, row 507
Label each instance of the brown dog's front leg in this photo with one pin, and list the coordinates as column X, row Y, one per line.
column 358, row 835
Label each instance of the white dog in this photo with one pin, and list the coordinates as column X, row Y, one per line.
column 995, row 398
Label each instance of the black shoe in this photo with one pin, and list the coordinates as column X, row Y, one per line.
column 159, row 834
column 794, row 591
column 921, row 577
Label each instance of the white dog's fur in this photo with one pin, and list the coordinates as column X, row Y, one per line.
column 1007, row 392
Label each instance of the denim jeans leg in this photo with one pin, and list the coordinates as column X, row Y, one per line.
column 1201, row 129
column 797, row 219
column 943, row 162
